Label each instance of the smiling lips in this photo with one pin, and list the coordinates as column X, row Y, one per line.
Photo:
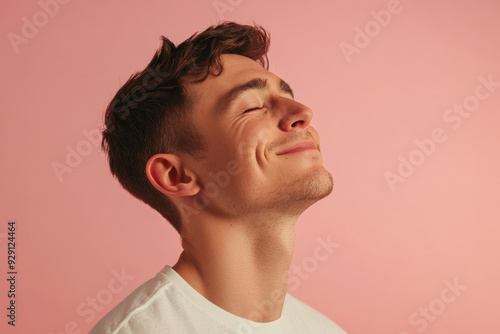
column 304, row 146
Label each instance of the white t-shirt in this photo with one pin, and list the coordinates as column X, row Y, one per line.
column 168, row 304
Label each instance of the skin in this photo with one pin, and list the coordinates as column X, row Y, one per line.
column 238, row 235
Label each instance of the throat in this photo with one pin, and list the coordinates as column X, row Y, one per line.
column 240, row 271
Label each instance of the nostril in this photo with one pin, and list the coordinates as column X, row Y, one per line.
column 295, row 123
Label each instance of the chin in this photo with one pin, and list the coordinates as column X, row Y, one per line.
column 300, row 194
column 318, row 185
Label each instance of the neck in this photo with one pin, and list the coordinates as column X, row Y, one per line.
column 241, row 266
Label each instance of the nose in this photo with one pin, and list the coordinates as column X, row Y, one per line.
column 295, row 115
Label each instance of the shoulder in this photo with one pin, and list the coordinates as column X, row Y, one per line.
column 131, row 311
column 310, row 320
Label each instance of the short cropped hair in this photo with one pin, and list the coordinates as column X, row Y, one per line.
column 152, row 113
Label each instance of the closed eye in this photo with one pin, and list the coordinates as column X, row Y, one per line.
column 252, row 109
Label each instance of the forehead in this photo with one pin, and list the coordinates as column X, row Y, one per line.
column 237, row 70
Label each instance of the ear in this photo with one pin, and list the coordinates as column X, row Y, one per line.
column 167, row 174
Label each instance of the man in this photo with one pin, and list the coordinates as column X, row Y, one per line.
column 216, row 143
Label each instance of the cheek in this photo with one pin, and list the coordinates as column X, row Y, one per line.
column 247, row 136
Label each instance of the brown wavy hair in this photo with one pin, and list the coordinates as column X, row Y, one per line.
column 151, row 112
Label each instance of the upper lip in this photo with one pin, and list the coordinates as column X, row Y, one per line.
column 302, row 146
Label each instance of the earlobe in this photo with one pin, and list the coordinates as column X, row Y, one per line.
column 167, row 174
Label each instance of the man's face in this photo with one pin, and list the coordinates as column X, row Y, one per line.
column 259, row 136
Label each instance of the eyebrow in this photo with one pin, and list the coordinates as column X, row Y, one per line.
column 257, row 83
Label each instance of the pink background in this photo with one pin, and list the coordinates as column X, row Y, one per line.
column 397, row 247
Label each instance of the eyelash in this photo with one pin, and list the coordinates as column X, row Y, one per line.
column 252, row 109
